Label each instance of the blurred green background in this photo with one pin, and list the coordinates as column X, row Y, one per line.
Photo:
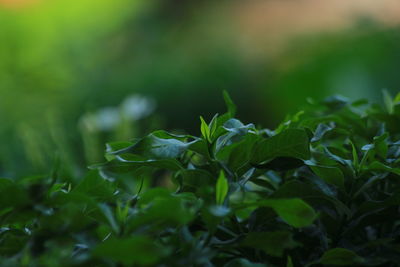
column 76, row 74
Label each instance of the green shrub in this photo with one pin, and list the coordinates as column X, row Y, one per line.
column 323, row 188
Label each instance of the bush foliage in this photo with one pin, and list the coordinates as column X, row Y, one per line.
column 323, row 188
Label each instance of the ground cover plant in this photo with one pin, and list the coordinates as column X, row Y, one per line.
column 322, row 189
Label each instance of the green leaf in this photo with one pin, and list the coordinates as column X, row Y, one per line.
column 94, row 185
column 205, row 130
column 294, row 211
column 213, row 127
column 356, row 162
column 289, row 143
column 297, row 189
column 160, row 209
column 273, row 243
column 378, row 166
column 157, row 145
column 341, row 256
column 236, row 152
column 115, row 146
column 381, row 145
column 289, row 262
column 221, row 188
column 321, row 130
column 128, row 163
column 133, row 250
column 396, row 100
column 331, row 175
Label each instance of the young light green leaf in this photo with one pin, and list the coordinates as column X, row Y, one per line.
column 396, row 100
column 205, row 130
column 221, row 189
column 95, row 186
column 213, row 126
column 379, row 166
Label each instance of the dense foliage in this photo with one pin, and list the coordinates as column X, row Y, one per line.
column 323, row 188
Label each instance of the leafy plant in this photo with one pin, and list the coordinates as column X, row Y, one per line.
column 323, row 188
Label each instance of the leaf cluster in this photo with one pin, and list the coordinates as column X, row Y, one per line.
column 323, row 188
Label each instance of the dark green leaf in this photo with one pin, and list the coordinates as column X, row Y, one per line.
column 273, row 243
column 133, row 250
column 289, row 143
column 294, row 211
column 341, row 257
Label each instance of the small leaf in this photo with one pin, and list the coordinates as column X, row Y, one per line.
column 341, row 256
column 213, row 126
column 205, row 130
column 356, row 162
column 221, row 189
column 157, row 145
column 321, row 130
column 397, row 99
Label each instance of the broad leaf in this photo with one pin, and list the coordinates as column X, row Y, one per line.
column 289, row 143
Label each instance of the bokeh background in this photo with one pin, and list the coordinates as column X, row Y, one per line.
column 75, row 74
